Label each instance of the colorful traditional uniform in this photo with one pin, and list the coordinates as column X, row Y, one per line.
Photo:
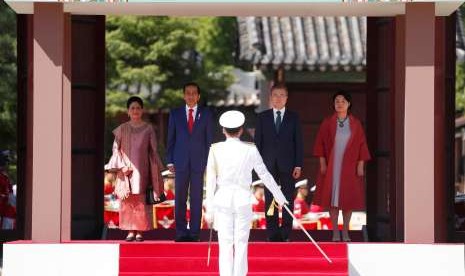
column 7, row 211
column 300, row 208
column 258, row 209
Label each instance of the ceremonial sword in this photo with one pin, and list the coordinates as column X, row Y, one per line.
column 209, row 246
column 306, row 233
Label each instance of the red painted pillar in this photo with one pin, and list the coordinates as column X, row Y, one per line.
column 50, row 216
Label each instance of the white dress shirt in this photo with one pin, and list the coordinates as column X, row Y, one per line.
column 275, row 113
column 193, row 113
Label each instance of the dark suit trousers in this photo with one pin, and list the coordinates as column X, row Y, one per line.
column 273, row 230
column 188, row 182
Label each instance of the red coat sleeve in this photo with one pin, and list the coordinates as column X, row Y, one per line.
column 364, row 153
column 319, row 147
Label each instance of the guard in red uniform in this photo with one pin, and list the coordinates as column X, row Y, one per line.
column 258, row 205
column 168, row 184
column 301, row 208
column 111, row 202
column 7, row 211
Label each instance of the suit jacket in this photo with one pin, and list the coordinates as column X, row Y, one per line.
column 284, row 148
column 189, row 151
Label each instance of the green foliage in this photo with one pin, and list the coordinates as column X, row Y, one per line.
column 217, row 38
column 8, row 89
column 154, row 56
column 8, row 77
column 460, row 88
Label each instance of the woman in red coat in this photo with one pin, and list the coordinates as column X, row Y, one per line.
column 342, row 150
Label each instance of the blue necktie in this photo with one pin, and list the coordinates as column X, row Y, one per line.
column 278, row 121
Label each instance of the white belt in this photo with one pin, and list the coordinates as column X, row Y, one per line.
column 234, row 187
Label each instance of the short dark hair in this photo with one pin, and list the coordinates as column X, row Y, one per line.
column 346, row 96
column 191, row 84
column 134, row 99
column 233, row 131
column 279, row 86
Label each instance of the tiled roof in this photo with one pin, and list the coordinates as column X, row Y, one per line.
column 243, row 92
column 304, row 43
column 312, row 43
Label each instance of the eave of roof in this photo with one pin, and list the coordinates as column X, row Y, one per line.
column 238, row 7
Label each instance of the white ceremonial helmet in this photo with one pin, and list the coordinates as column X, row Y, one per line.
column 313, row 188
column 257, row 183
column 167, row 174
column 301, row 183
column 232, row 119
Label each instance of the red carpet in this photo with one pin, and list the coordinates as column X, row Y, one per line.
column 270, row 259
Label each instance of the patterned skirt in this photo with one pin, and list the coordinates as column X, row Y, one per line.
column 134, row 214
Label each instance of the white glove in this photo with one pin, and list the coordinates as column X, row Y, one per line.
column 209, row 218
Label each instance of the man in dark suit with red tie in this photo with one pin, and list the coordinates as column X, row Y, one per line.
column 190, row 134
column 278, row 138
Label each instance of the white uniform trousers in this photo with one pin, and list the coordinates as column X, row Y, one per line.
column 233, row 226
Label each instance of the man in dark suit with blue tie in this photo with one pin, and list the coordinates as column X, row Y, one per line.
column 190, row 134
column 278, row 137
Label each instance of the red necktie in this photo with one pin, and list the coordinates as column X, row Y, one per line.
column 190, row 121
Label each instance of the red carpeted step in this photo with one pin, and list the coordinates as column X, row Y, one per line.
column 256, row 264
column 199, row 249
column 167, row 264
column 167, row 249
column 169, row 258
column 296, row 249
column 290, row 264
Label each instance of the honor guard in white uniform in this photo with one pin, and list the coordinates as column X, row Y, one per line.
column 228, row 206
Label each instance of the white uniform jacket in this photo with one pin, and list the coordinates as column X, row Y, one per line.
column 229, row 175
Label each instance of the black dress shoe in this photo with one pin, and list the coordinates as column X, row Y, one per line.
column 194, row 238
column 275, row 238
column 285, row 238
column 182, row 239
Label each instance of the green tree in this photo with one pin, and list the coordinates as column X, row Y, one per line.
column 8, row 88
column 460, row 88
column 8, row 77
column 154, row 56
column 217, row 40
